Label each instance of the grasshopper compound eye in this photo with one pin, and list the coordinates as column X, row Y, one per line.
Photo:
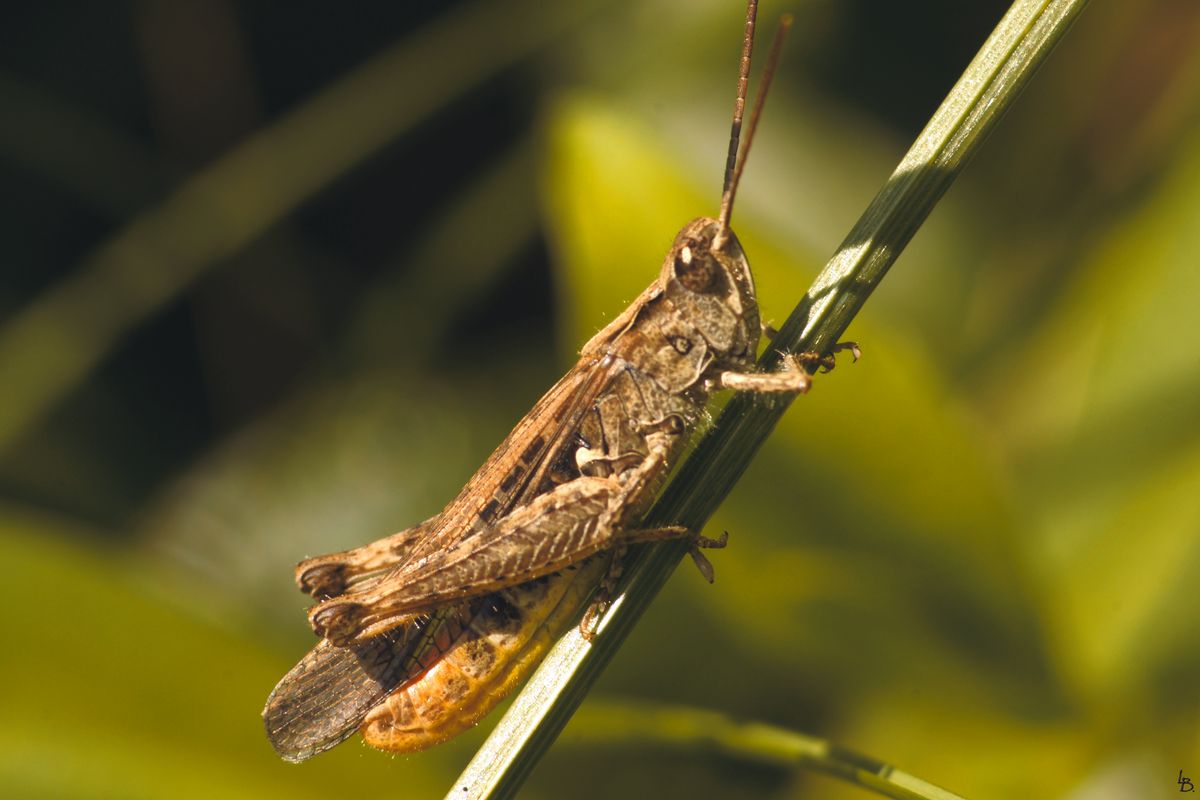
column 695, row 267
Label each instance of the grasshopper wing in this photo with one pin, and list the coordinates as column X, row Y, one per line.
column 559, row 528
column 535, row 460
column 323, row 699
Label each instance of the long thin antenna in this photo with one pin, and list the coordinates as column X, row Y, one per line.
column 736, row 163
column 739, row 102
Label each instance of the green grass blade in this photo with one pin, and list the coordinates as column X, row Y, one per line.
column 638, row 725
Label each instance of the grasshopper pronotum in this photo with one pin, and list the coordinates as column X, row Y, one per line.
column 424, row 631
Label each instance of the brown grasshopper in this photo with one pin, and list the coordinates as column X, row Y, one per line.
column 423, row 632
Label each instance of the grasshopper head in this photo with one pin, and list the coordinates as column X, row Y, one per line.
column 712, row 285
column 706, row 276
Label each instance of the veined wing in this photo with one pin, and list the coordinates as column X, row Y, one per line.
column 325, row 697
column 522, row 467
column 532, row 460
column 536, row 456
column 525, row 464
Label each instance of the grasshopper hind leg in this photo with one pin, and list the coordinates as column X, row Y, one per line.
column 328, row 576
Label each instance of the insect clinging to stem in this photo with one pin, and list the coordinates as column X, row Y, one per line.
column 424, row 631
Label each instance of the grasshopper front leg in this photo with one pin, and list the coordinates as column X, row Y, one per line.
column 792, row 378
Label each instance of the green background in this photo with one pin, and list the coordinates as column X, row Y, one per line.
column 276, row 278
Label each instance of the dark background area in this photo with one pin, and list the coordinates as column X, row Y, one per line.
column 171, row 87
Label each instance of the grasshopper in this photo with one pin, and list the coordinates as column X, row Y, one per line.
column 424, row 631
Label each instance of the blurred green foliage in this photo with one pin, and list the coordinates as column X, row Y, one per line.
column 993, row 588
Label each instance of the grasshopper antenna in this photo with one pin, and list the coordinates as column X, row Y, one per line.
column 735, row 164
column 739, row 107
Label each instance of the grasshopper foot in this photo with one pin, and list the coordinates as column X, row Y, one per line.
column 589, row 626
column 827, row 363
column 699, row 559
